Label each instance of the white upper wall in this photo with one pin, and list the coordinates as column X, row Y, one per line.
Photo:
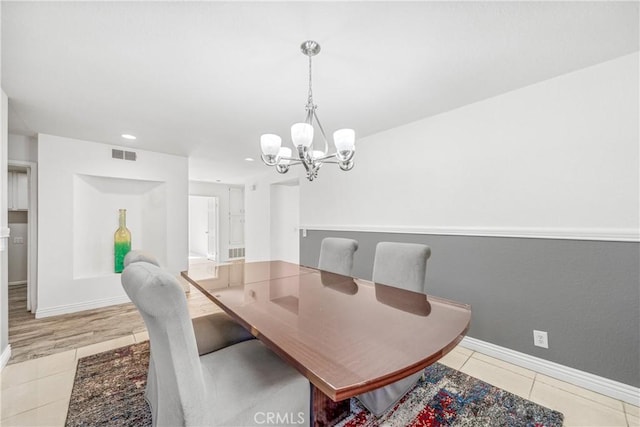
column 23, row 148
column 80, row 190
column 556, row 158
column 258, row 233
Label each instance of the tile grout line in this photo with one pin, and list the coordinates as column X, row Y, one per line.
column 46, row 375
column 558, row 388
column 513, row 371
column 465, row 362
column 589, row 399
column 67, row 398
column 38, row 407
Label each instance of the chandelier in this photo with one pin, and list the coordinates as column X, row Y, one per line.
column 273, row 154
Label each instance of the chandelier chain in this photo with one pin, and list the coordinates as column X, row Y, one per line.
column 310, row 98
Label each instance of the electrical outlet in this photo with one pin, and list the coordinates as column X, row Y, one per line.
column 540, row 339
column 304, row 232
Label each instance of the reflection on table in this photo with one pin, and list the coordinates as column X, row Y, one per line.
column 347, row 335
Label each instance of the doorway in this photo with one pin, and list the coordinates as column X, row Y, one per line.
column 22, row 220
column 203, row 228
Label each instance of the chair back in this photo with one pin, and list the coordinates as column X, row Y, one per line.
column 181, row 392
column 403, row 265
column 336, row 255
column 137, row 255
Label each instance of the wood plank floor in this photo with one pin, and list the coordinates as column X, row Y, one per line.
column 31, row 338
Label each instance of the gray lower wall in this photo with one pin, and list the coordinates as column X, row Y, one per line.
column 585, row 294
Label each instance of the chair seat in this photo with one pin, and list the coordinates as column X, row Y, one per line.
column 248, row 382
column 216, row 331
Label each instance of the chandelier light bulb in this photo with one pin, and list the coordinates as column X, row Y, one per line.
column 270, row 144
column 302, row 134
column 344, row 139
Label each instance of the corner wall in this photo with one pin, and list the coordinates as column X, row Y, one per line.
column 556, row 162
column 80, row 189
column 259, row 207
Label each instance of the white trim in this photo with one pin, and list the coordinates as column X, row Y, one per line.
column 598, row 234
column 6, row 355
column 611, row 388
column 73, row 308
column 18, row 282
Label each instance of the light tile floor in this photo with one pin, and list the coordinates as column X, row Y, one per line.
column 37, row 392
column 581, row 407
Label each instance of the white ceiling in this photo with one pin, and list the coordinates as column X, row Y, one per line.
column 206, row 79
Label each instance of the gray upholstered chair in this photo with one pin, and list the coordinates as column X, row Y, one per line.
column 403, row 265
column 336, row 255
column 236, row 385
column 138, row 255
column 213, row 331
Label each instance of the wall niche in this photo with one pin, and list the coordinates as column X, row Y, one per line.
column 96, row 200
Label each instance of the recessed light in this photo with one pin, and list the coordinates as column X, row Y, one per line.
column 249, row 159
column 127, row 136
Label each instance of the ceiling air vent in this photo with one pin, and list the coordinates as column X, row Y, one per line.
column 123, row 155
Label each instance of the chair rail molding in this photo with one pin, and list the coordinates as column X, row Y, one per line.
column 594, row 234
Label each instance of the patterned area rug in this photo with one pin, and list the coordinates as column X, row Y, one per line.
column 109, row 391
column 446, row 397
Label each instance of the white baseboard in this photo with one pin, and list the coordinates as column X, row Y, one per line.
column 73, row 308
column 4, row 358
column 611, row 388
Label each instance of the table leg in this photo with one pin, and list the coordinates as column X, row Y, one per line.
column 326, row 412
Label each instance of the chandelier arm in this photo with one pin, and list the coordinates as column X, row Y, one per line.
column 305, row 159
column 289, row 158
column 327, row 157
column 324, row 136
column 310, row 114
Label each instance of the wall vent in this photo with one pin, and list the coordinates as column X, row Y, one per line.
column 236, row 253
column 123, row 155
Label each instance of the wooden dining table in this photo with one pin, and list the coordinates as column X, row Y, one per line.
column 346, row 335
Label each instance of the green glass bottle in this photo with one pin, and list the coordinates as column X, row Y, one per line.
column 121, row 242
